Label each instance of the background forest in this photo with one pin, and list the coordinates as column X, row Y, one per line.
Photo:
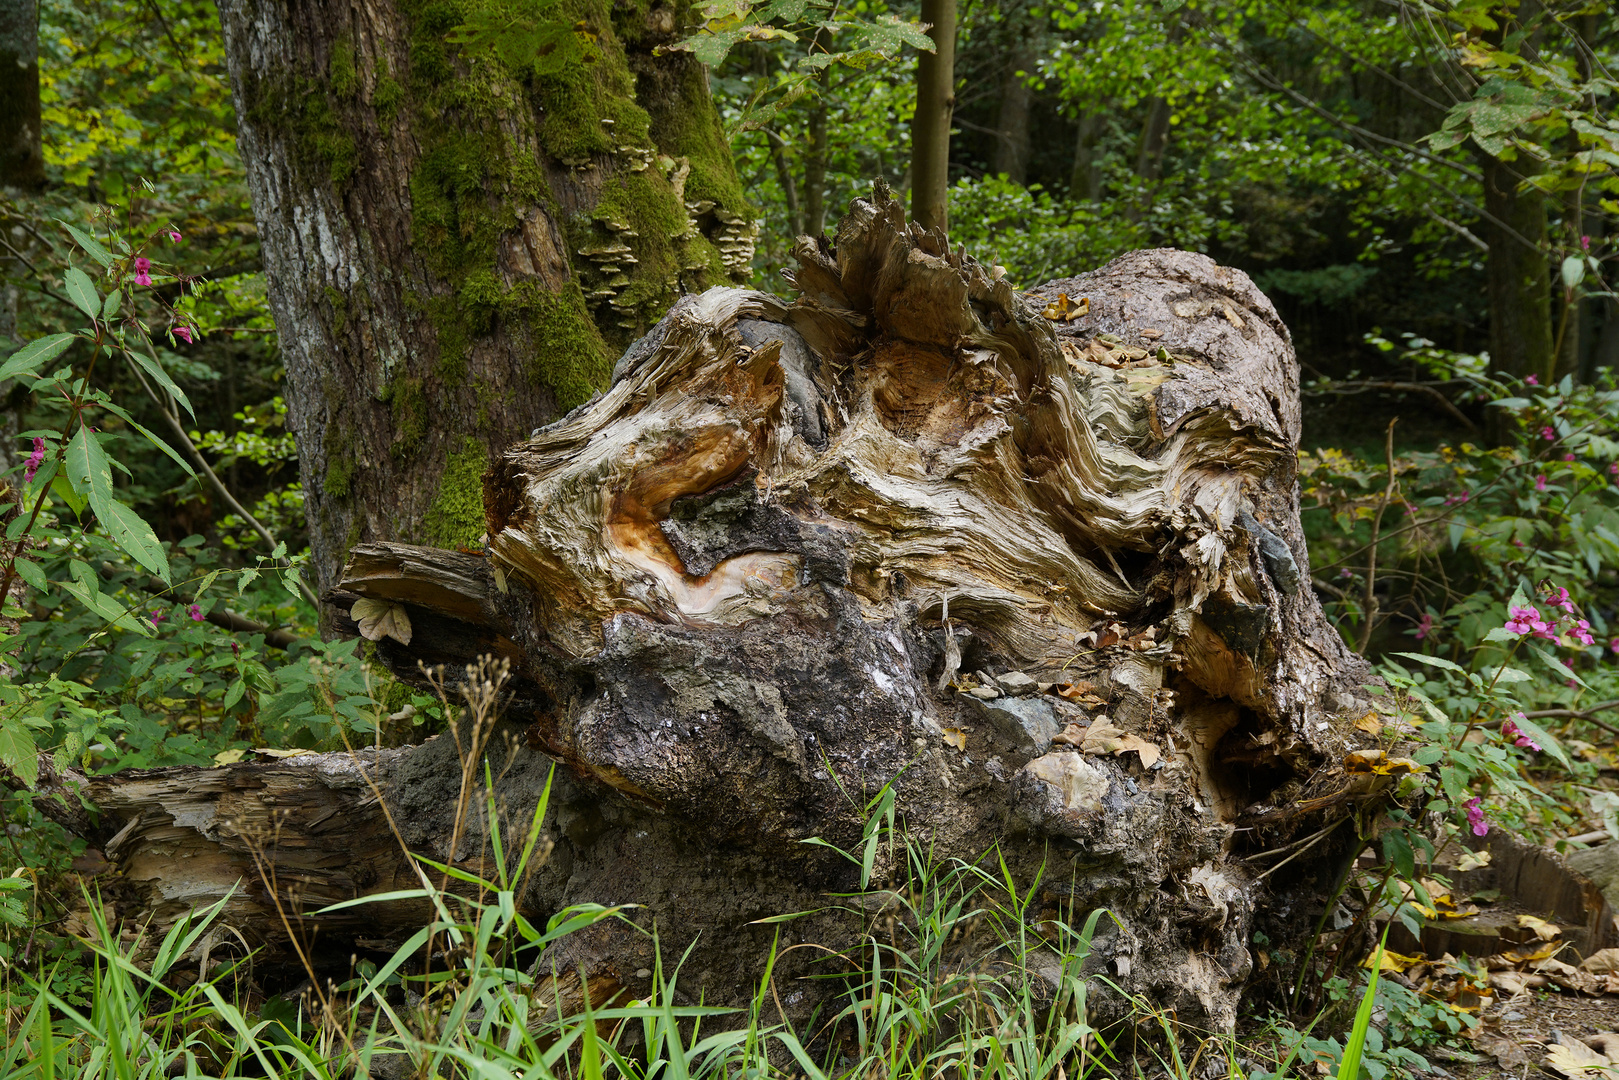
column 1428, row 192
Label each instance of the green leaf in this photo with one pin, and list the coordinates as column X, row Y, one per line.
column 30, row 571
column 92, row 247
column 1573, row 271
column 1540, row 738
column 82, row 291
column 166, row 448
column 109, row 308
column 151, row 366
column 1433, row 661
column 18, row 752
column 35, row 354
column 91, row 474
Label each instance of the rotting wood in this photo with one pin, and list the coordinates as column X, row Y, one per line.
column 901, row 530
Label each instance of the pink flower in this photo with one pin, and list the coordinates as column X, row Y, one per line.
column 1540, row 483
column 1613, row 469
column 157, row 617
column 143, row 271
column 195, row 612
column 1558, row 597
column 1585, row 244
column 1527, row 620
column 35, row 460
column 1346, row 572
column 1568, row 457
column 1582, row 633
column 1613, row 646
column 1457, row 500
column 1475, row 817
column 1510, row 732
column 1548, row 434
column 1532, row 381
column 183, row 331
column 1424, row 626
column 174, row 234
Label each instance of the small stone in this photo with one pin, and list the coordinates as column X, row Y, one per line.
column 1512, row 1016
column 985, row 693
column 1017, row 683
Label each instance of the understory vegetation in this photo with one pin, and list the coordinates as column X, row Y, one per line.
column 1463, row 521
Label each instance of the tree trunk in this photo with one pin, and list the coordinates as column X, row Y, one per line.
column 22, row 162
column 1011, row 156
column 815, row 151
column 930, row 127
column 1043, row 580
column 1517, row 272
column 455, row 246
column 1085, row 183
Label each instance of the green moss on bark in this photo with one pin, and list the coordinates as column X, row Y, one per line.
column 340, row 73
column 408, row 397
column 387, row 95
column 455, row 518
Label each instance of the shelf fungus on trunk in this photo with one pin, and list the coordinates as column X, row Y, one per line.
column 1032, row 563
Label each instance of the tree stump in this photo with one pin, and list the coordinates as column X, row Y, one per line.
column 1031, row 562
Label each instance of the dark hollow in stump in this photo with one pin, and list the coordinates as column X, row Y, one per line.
column 1033, row 560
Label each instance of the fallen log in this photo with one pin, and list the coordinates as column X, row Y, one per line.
column 1032, row 563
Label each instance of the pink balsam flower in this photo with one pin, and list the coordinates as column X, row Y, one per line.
column 1527, row 620
column 1532, row 380
column 1475, row 817
column 143, row 271
column 195, row 612
column 1510, row 732
column 174, row 234
column 1425, row 626
column 183, row 331
column 35, row 460
column 1540, row 483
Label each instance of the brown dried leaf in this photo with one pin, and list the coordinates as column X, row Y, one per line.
column 1081, row 309
column 1102, row 737
column 955, row 737
column 1601, row 962
column 1072, row 735
column 1150, row 334
column 1579, row 1062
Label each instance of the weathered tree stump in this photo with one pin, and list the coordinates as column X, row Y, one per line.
column 803, row 550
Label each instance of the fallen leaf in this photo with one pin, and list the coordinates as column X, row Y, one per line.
column 1544, row 930
column 1472, row 860
column 272, row 752
column 1579, row 1062
column 1081, row 309
column 1371, row 724
column 1150, row 334
column 381, row 618
column 1524, row 956
column 955, row 737
column 1103, row 738
column 1076, row 689
column 1393, row 961
column 1601, row 962
column 1072, row 735
column 228, row 757
column 1509, row 982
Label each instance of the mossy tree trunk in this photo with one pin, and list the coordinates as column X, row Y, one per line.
column 456, row 247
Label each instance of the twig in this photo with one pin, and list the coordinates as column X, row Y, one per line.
column 1402, row 387
column 1369, row 600
column 1587, row 715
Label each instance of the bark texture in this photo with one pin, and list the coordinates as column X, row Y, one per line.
column 1042, row 576
column 458, row 244
column 22, row 161
column 1518, row 272
column 930, row 126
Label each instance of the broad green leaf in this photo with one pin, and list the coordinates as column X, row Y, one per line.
column 62, row 489
column 35, row 354
column 82, row 291
column 91, row 474
column 1539, row 737
column 18, row 751
column 92, row 247
column 108, row 608
column 109, row 308
column 153, row 368
column 166, row 448
column 30, row 571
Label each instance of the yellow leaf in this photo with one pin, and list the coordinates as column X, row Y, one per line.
column 1544, row 930
column 1393, row 961
column 272, row 752
column 228, row 757
column 955, row 737
column 1371, row 724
